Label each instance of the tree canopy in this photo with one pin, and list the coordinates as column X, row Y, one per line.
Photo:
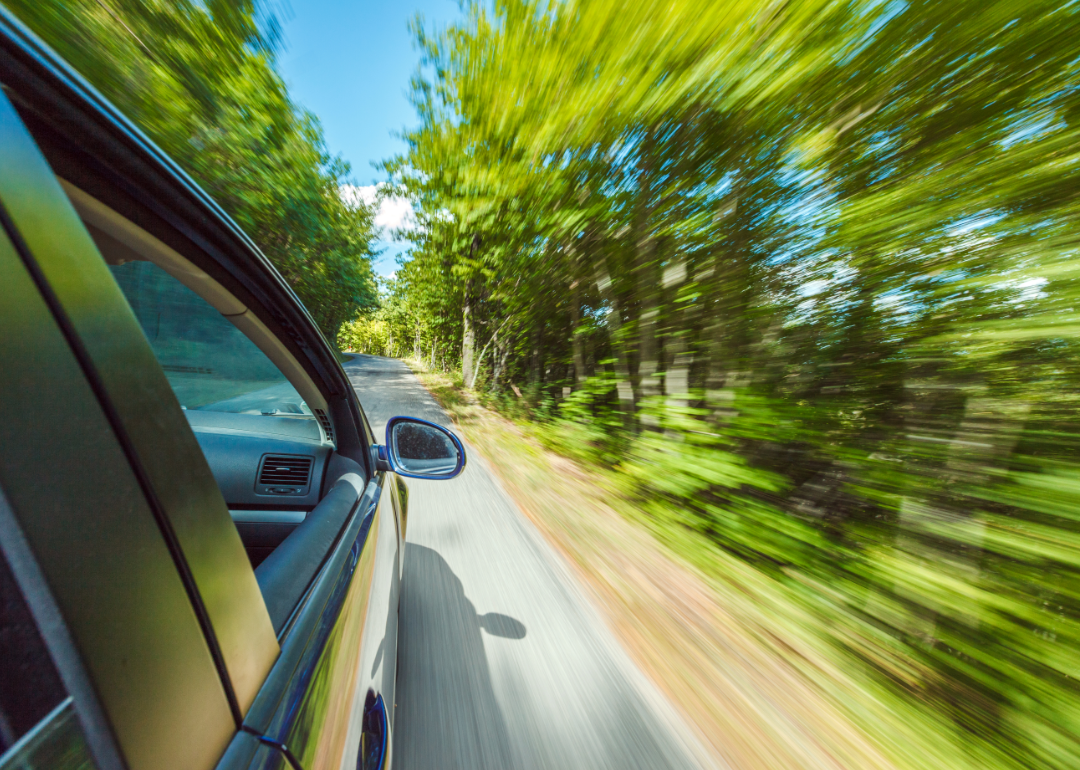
column 807, row 274
column 199, row 78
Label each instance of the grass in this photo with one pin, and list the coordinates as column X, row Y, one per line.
column 745, row 659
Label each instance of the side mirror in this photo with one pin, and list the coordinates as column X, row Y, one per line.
column 420, row 449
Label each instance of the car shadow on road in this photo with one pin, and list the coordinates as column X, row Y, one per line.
column 447, row 716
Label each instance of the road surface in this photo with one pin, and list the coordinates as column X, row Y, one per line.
column 503, row 662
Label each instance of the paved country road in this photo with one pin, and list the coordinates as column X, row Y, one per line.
column 503, row 662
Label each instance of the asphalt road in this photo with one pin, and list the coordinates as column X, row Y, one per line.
column 503, row 661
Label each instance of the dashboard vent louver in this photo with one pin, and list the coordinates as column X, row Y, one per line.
column 286, row 471
column 324, row 421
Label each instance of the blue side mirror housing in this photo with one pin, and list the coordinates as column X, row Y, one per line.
column 419, row 449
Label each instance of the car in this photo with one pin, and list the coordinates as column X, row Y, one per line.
column 201, row 537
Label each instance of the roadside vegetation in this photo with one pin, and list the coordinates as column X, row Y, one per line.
column 732, row 651
column 199, row 79
column 797, row 284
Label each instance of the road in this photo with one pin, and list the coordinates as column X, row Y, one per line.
column 503, row 661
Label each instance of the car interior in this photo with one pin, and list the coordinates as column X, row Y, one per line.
column 260, row 421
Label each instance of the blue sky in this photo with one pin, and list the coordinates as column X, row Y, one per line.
column 349, row 62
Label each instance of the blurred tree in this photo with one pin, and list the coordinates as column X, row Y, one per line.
column 808, row 273
column 199, row 78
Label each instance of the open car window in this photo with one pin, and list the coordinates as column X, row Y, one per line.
column 210, row 364
column 226, row 368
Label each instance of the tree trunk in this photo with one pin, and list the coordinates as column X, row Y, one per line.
column 480, row 358
column 648, row 342
column 468, row 330
column 677, row 381
column 730, row 304
column 944, row 531
column 537, row 363
column 576, row 333
column 623, row 385
column 500, row 354
column 646, row 275
column 468, row 344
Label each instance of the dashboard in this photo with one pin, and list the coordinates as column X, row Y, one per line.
column 270, row 470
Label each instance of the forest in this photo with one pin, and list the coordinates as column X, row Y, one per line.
column 199, row 78
column 805, row 276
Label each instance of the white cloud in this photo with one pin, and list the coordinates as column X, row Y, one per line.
column 395, row 212
column 353, row 194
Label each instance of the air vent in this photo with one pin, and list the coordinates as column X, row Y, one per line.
column 327, row 427
column 284, row 475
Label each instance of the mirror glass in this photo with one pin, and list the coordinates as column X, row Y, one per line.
column 423, row 449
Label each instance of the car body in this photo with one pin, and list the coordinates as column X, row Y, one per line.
column 202, row 538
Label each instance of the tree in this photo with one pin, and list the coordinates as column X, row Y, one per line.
column 199, row 78
column 817, row 260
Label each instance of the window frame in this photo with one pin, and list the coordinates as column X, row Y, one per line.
column 148, row 248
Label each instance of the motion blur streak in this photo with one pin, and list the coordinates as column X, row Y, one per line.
column 803, row 276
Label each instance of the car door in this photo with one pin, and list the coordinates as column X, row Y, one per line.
column 327, row 700
column 304, row 686
column 78, row 526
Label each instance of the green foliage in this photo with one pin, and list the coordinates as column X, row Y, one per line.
column 366, row 334
column 586, row 425
column 199, row 78
column 385, row 330
column 806, row 275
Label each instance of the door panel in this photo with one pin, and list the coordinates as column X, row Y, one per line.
column 378, row 666
column 341, row 650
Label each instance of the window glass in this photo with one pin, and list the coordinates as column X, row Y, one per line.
column 55, row 743
column 209, row 363
column 29, row 686
column 38, row 727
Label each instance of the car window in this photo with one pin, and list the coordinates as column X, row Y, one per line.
column 210, row 364
column 38, row 726
column 55, row 743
